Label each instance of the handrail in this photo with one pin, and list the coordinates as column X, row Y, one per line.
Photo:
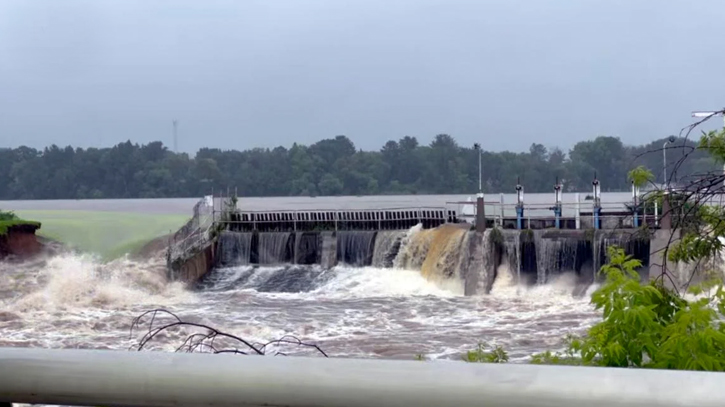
column 118, row 378
column 401, row 208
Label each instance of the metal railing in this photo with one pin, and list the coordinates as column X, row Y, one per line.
column 118, row 378
column 195, row 234
column 335, row 219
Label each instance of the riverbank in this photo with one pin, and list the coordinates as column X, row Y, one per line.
column 17, row 236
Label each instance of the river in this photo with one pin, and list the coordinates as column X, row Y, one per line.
column 75, row 301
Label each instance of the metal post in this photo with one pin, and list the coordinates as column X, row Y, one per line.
column 671, row 139
column 520, row 206
column 502, row 211
column 635, row 210
column 480, row 171
column 596, row 208
column 577, row 215
column 657, row 220
column 557, row 204
column 664, row 164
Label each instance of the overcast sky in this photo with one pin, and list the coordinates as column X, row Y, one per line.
column 242, row 73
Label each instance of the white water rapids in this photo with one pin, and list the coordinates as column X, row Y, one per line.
column 71, row 301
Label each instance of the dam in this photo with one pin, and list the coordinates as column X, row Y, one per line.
column 436, row 241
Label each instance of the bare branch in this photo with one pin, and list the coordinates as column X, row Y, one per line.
column 204, row 341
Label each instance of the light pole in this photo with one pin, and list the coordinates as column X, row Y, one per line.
column 480, row 172
column 671, row 139
column 480, row 208
column 701, row 113
column 664, row 163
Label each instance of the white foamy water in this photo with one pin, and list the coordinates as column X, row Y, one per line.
column 70, row 301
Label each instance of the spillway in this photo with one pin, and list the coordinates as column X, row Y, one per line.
column 447, row 254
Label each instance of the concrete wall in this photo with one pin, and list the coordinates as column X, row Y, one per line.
column 196, row 266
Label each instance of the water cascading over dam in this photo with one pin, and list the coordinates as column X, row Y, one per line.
column 447, row 254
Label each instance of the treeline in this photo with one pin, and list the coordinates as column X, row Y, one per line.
column 328, row 167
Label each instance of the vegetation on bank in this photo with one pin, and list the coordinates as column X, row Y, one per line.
column 332, row 167
column 643, row 325
column 9, row 219
column 659, row 323
column 106, row 234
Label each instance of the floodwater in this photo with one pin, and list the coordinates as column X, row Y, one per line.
column 75, row 301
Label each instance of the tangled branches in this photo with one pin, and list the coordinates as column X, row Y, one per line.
column 209, row 339
column 694, row 205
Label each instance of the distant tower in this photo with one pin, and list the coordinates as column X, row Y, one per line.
column 176, row 140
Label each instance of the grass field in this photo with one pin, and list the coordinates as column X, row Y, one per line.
column 108, row 234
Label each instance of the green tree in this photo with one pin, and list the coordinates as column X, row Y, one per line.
column 405, row 166
column 640, row 176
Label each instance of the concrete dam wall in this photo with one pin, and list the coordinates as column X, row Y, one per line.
column 447, row 252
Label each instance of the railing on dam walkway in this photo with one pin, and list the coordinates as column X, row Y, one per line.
column 333, row 220
column 118, row 378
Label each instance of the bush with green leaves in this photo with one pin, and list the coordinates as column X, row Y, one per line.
column 643, row 325
column 653, row 324
column 485, row 354
column 8, row 219
column 7, row 215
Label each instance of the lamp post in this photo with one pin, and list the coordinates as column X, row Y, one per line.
column 671, row 139
column 480, row 172
column 480, row 209
column 703, row 114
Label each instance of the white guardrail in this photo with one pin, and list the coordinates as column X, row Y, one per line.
column 124, row 378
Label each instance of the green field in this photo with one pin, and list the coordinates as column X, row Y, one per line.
column 107, row 234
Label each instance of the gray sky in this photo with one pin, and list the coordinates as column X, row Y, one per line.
column 260, row 73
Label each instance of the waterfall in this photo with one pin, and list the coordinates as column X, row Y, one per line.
column 636, row 246
column 512, row 247
column 307, row 248
column 355, row 248
column 450, row 253
column 480, row 270
column 328, row 258
column 234, row 248
column 555, row 255
column 285, row 279
column 274, row 248
column 413, row 248
column 387, row 246
column 443, row 257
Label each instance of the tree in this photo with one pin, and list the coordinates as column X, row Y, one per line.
column 605, row 156
column 405, row 166
column 640, row 176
